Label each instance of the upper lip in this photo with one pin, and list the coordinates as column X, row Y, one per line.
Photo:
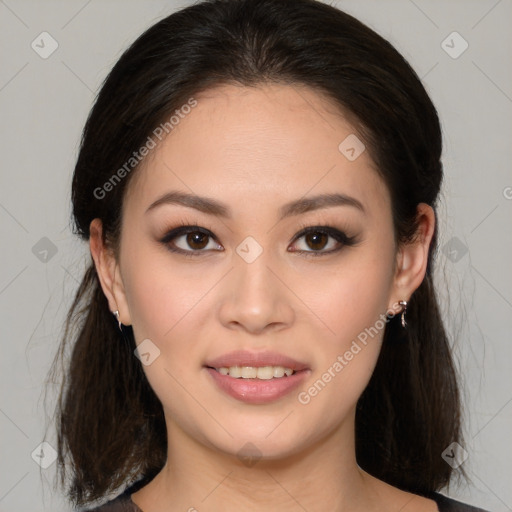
column 256, row 359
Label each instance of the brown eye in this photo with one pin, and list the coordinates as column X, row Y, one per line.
column 190, row 240
column 320, row 240
column 197, row 240
column 316, row 240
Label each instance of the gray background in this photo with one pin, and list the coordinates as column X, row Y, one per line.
column 44, row 104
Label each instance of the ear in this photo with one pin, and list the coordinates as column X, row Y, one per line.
column 412, row 257
column 108, row 272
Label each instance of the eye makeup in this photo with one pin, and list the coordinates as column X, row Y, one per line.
column 201, row 240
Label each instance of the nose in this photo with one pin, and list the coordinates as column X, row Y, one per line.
column 254, row 299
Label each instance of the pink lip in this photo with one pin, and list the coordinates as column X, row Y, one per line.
column 257, row 391
column 257, row 359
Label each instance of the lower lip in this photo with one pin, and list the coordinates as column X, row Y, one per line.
column 258, row 391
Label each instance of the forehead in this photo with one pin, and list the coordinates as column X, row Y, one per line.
column 255, row 143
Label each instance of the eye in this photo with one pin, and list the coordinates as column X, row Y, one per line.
column 320, row 240
column 193, row 240
column 190, row 240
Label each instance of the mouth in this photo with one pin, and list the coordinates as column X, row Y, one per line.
column 256, row 378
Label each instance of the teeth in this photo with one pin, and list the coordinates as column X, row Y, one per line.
column 253, row 372
column 278, row 371
column 234, row 371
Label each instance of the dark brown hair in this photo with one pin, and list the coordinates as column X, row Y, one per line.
column 110, row 424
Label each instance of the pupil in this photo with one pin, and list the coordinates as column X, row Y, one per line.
column 197, row 240
column 316, row 240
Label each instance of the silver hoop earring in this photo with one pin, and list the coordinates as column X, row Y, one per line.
column 403, row 303
column 116, row 314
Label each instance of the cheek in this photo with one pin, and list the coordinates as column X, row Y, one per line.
column 351, row 304
column 167, row 306
column 351, row 298
column 161, row 295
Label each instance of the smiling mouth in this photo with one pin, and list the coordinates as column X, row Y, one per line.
column 257, row 385
column 255, row 372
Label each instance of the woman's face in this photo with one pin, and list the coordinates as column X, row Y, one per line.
column 245, row 279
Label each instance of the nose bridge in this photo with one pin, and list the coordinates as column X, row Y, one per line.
column 254, row 277
column 256, row 298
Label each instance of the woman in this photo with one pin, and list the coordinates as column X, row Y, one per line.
column 258, row 328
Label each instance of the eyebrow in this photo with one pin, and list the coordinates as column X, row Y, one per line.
column 297, row 207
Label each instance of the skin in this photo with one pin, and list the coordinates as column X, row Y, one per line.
column 255, row 149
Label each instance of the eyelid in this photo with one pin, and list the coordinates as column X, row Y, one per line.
column 184, row 229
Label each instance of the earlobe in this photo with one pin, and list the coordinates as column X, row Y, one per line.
column 412, row 257
column 108, row 271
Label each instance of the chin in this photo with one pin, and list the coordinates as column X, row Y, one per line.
column 268, row 440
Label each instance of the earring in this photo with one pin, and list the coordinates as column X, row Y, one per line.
column 404, row 310
column 116, row 314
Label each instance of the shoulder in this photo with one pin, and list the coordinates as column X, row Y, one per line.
column 121, row 503
column 448, row 505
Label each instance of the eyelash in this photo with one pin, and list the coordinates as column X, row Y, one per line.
column 342, row 238
column 185, row 229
